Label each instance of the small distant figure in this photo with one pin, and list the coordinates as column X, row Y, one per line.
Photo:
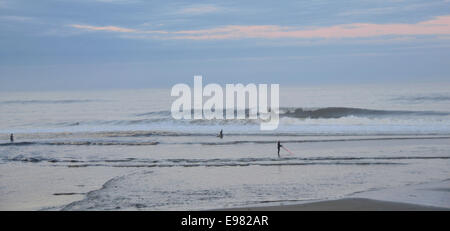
column 11, row 138
column 220, row 134
column 279, row 147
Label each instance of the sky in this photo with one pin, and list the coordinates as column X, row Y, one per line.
column 103, row 44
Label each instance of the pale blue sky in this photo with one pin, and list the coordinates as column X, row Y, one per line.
column 90, row 44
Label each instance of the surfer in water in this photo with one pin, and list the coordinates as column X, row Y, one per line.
column 220, row 134
column 279, row 147
column 11, row 138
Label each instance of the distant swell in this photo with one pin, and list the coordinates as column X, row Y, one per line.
column 425, row 98
column 46, row 101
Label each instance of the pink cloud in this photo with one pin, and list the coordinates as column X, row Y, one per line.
column 115, row 29
column 436, row 26
column 104, row 28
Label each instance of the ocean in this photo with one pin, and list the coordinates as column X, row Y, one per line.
column 122, row 150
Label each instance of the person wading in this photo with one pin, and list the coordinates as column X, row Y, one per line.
column 279, row 147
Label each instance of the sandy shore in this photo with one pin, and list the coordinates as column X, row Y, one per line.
column 348, row 204
column 432, row 196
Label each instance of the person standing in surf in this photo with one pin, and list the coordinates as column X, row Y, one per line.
column 279, row 147
column 11, row 138
column 220, row 134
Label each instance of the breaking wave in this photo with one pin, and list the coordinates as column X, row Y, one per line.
column 199, row 142
column 226, row 162
column 339, row 112
column 79, row 143
column 330, row 113
column 304, row 121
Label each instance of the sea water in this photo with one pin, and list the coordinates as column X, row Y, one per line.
column 121, row 149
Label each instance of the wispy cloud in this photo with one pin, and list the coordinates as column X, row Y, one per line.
column 106, row 28
column 118, row 1
column 15, row 18
column 118, row 29
column 436, row 26
column 199, row 9
column 393, row 9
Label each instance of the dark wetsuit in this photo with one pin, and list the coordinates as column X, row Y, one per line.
column 279, row 146
column 221, row 134
column 11, row 138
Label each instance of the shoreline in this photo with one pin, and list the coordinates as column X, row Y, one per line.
column 345, row 204
column 431, row 196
